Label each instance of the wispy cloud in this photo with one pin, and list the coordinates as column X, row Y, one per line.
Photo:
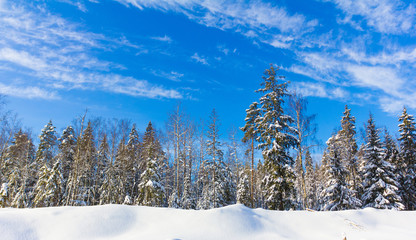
column 163, row 39
column 311, row 89
column 57, row 55
column 385, row 16
column 199, row 59
column 27, row 92
column 271, row 23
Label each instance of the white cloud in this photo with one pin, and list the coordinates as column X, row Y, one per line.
column 385, row 16
column 199, row 59
column 313, row 89
column 172, row 75
column 385, row 79
column 251, row 18
column 55, row 54
column 27, row 92
column 163, row 39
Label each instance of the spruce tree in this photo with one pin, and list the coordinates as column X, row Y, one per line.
column 349, row 149
column 150, row 190
column 67, row 148
column 132, row 165
column 408, row 159
column 379, row 184
column 310, row 182
column 47, row 144
column 336, row 194
column 243, row 189
column 19, row 171
column 276, row 137
column 250, row 134
column 40, row 190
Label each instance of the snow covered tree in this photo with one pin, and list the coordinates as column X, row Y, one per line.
column 243, row 189
column 188, row 200
column 19, row 171
column 276, row 137
column 47, row 144
column 81, row 189
column 250, row 133
column 310, row 182
column 392, row 153
column 132, row 164
column 336, row 194
column 219, row 190
column 150, row 190
column 306, row 131
column 67, row 148
column 380, row 186
column 408, row 159
column 348, row 149
column 55, row 185
column 40, row 190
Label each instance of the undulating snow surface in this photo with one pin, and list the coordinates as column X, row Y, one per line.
column 232, row 222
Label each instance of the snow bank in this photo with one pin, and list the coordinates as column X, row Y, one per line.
column 232, row 222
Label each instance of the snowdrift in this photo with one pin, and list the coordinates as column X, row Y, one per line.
column 232, row 222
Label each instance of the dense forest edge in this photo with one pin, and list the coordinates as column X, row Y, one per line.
column 96, row 161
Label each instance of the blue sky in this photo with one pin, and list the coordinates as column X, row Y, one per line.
column 137, row 58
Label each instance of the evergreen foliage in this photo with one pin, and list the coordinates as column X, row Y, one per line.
column 407, row 164
column 276, row 137
column 380, row 186
column 336, row 194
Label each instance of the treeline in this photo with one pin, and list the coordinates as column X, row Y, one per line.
column 190, row 166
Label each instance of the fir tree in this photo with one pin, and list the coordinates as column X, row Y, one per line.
column 310, row 182
column 336, row 194
column 46, row 149
column 243, row 189
column 19, row 171
column 67, row 148
column 380, row 186
column 348, row 149
column 408, row 159
column 276, row 137
column 150, row 190
column 132, row 166
column 40, row 189
column 250, row 133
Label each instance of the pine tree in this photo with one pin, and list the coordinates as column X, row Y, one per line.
column 243, row 189
column 310, row 182
column 19, row 171
column 80, row 185
column 349, row 149
column 40, row 190
column 132, row 165
column 188, row 200
column 250, row 134
column 408, row 159
column 220, row 188
column 150, row 190
column 380, row 186
column 174, row 201
column 336, row 194
column 55, row 185
column 276, row 137
column 46, row 149
column 67, row 148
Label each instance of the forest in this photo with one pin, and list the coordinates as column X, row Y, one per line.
column 188, row 164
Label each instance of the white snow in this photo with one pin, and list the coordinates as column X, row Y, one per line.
column 232, row 222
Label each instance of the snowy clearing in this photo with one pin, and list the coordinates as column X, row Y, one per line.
column 232, row 222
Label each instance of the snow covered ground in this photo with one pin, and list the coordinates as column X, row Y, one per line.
column 232, row 222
